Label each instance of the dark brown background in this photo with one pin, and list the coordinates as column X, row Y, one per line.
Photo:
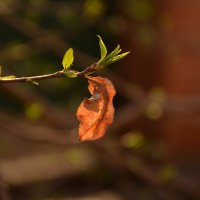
column 152, row 149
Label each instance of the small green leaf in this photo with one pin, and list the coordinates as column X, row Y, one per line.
column 103, row 62
column 114, row 52
column 102, row 47
column 111, row 58
column 7, row 77
column 117, row 58
column 70, row 73
column 68, row 59
column 34, row 82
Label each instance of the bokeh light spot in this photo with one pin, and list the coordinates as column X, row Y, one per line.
column 132, row 140
column 94, row 8
column 34, row 111
column 153, row 110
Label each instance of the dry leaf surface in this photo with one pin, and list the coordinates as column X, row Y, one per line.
column 96, row 113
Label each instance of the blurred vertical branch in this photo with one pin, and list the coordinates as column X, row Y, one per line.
column 4, row 192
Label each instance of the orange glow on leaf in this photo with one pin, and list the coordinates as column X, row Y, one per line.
column 96, row 113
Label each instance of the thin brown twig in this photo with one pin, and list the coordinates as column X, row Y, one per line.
column 58, row 74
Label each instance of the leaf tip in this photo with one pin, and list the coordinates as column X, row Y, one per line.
column 102, row 46
column 98, row 36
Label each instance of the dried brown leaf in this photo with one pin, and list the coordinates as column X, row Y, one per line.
column 96, row 113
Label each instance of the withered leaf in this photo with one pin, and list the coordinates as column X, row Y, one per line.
column 96, row 113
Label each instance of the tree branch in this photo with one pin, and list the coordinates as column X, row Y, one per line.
column 58, row 74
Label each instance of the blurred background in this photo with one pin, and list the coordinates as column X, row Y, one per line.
column 152, row 149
